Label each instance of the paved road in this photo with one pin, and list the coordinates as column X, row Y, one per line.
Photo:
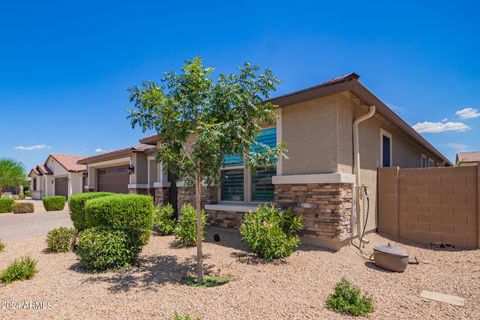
column 22, row 226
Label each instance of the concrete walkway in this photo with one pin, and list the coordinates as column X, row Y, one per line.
column 21, row 226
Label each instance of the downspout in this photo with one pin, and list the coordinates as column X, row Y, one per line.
column 356, row 170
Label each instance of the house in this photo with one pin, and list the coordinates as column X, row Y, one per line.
column 58, row 175
column 337, row 133
column 468, row 158
column 133, row 169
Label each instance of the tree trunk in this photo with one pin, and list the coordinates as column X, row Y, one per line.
column 198, row 206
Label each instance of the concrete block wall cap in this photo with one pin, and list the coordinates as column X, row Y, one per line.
column 231, row 207
column 314, row 178
column 161, row 184
column 138, row 186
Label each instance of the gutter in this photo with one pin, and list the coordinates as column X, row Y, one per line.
column 356, row 170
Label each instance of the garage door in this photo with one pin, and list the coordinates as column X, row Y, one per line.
column 61, row 187
column 113, row 179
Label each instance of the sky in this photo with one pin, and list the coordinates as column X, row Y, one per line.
column 65, row 66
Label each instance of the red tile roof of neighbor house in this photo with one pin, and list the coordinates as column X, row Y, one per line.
column 69, row 161
column 141, row 148
column 473, row 156
column 43, row 169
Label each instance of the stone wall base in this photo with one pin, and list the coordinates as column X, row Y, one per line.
column 225, row 219
column 187, row 195
column 143, row 191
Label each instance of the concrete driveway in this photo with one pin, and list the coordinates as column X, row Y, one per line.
column 21, row 226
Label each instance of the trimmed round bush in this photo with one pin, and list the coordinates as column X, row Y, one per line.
column 163, row 219
column 23, row 207
column 6, row 205
column 76, row 204
column 54, row 203
column 186, row 229
column 103, row 248
column 60, row 239
column 270, row 232
column 128, row 211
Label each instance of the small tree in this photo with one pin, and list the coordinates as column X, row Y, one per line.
column 200, row 120
column 12, row 174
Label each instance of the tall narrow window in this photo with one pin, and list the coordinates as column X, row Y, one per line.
column 232, row 185
column 386, row 149
column 423, row 163
column 431, row 163
column 34, row 184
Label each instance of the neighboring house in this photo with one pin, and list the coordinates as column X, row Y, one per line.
column 59, row 175
column 318, row 179
column 132, row 169
column 468, row 158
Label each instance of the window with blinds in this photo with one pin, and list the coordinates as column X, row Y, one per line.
column 232, row 185
column 262, row 187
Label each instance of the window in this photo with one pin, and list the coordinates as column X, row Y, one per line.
column 239, row 183
column 431, row 163
column 385, row 148
column 34, row 184
column 423, row 162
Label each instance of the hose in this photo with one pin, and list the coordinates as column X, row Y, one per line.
column 359, row 247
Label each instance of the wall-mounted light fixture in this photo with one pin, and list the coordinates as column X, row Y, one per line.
column 131, row 169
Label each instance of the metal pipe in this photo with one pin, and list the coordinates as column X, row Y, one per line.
column 356, row 166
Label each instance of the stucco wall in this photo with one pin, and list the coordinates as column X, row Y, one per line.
column 75, row 183
column 309, row 131
column 139, row 161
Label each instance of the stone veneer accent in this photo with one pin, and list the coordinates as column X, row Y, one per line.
column 187, row 195
column 326, row 208
column 162, row 195
column 226, row 219
column 143, row 191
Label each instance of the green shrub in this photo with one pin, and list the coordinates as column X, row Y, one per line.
column 22, row 269
column 60, row 239
column 54, row 203
column 21, row 196
column 76, row 204
column 102, row 248
column 209, row 281
column 23, row 207
column 186, row 229
column 28, row 193
column 2, row 246
column 163, row 219
column 128, row 211
column 348, row 299
column 271, row 232
column 6, row 205
column 176, row 316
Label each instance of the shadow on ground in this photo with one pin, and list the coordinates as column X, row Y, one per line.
column 150, row 272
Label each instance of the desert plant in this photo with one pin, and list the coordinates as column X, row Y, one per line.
column 21, row 196
column 54, row 203
column 102, row 248
column 23, row 207
column 271, row 232
column 347, row 298
column 76, row 204
column 125, row 211
column 2, row 246
column 186, row 229
column 163, row 219
column 60, row 239
column 6, row 205
column 176, row 316
column 22, row 269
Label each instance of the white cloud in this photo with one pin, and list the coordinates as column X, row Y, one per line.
column 468, row 113
column 99, row 150
column 457, row 146
column 443, row 126
column 33, row 148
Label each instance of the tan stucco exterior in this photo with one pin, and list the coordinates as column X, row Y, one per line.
column 319, row 138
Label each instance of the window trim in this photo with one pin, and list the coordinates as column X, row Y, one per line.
column 384, row 133
column 423, row 161
column 431, row 163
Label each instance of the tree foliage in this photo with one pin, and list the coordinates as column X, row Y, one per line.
column 200, row 120
column 12, row 173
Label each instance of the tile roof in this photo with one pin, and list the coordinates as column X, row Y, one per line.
column 468, row 156
column 115, row 153
column 69, row 161
column 43, row 169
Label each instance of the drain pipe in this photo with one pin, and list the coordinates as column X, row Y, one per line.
column 356, row 170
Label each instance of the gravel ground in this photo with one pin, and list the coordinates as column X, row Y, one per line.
column 295, row 288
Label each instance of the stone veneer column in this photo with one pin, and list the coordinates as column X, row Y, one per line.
column 187, row 195
column 326, row 208
column 162, row 195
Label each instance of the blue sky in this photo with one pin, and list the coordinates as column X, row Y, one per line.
column 62, row 62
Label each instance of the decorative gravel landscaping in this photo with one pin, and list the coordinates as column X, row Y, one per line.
column 293, row 288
